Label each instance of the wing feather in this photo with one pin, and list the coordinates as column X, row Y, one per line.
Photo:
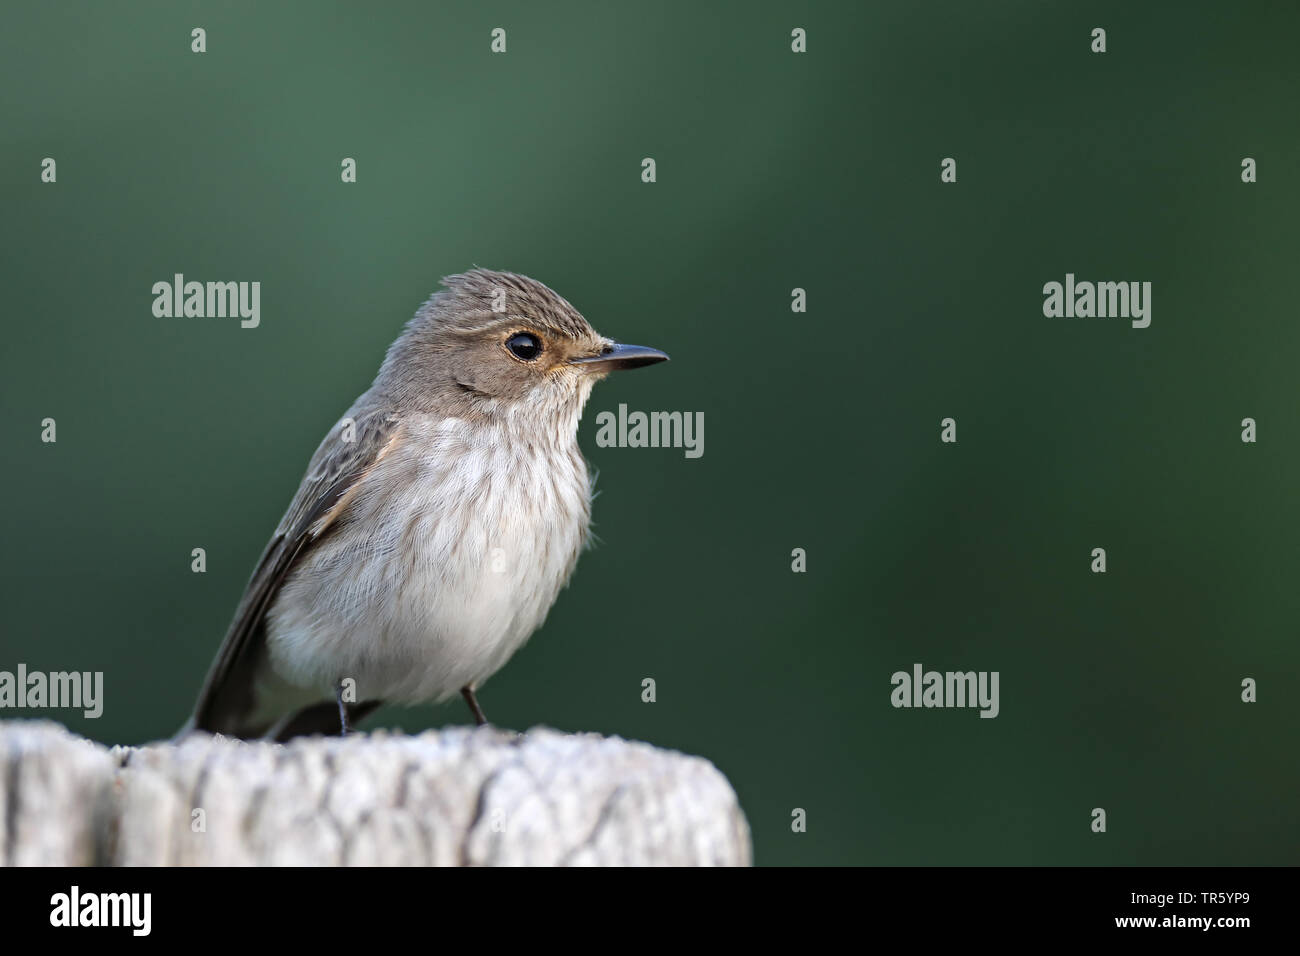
column 336, row 471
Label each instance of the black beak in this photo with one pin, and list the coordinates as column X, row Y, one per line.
column 621, row 356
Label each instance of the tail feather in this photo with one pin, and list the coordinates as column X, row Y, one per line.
column 322, row 718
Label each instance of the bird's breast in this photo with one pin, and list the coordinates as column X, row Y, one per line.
column 447, row 558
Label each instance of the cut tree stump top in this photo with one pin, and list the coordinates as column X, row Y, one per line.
column 451, row 797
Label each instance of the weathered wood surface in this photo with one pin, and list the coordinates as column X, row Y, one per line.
column 451, row 797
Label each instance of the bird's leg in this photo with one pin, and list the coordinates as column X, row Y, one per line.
column 343, row 711
column 468, row 693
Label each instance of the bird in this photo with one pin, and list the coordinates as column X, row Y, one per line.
column 435, row 526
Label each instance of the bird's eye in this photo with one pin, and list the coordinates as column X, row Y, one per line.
column 524, row 345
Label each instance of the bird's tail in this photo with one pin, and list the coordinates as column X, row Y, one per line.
column 322, row 718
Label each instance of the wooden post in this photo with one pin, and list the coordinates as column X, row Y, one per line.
column 445, row 798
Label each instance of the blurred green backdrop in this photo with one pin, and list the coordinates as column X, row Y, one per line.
column 775, row 171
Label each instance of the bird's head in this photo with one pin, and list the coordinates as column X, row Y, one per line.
column 497, row 342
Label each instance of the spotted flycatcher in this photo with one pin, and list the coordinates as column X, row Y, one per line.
column 436, row 523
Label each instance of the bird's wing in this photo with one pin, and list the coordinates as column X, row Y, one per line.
column 335, row 472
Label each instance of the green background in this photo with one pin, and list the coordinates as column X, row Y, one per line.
column 775, row 170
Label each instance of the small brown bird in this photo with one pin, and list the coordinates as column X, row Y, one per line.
column 436, row 523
